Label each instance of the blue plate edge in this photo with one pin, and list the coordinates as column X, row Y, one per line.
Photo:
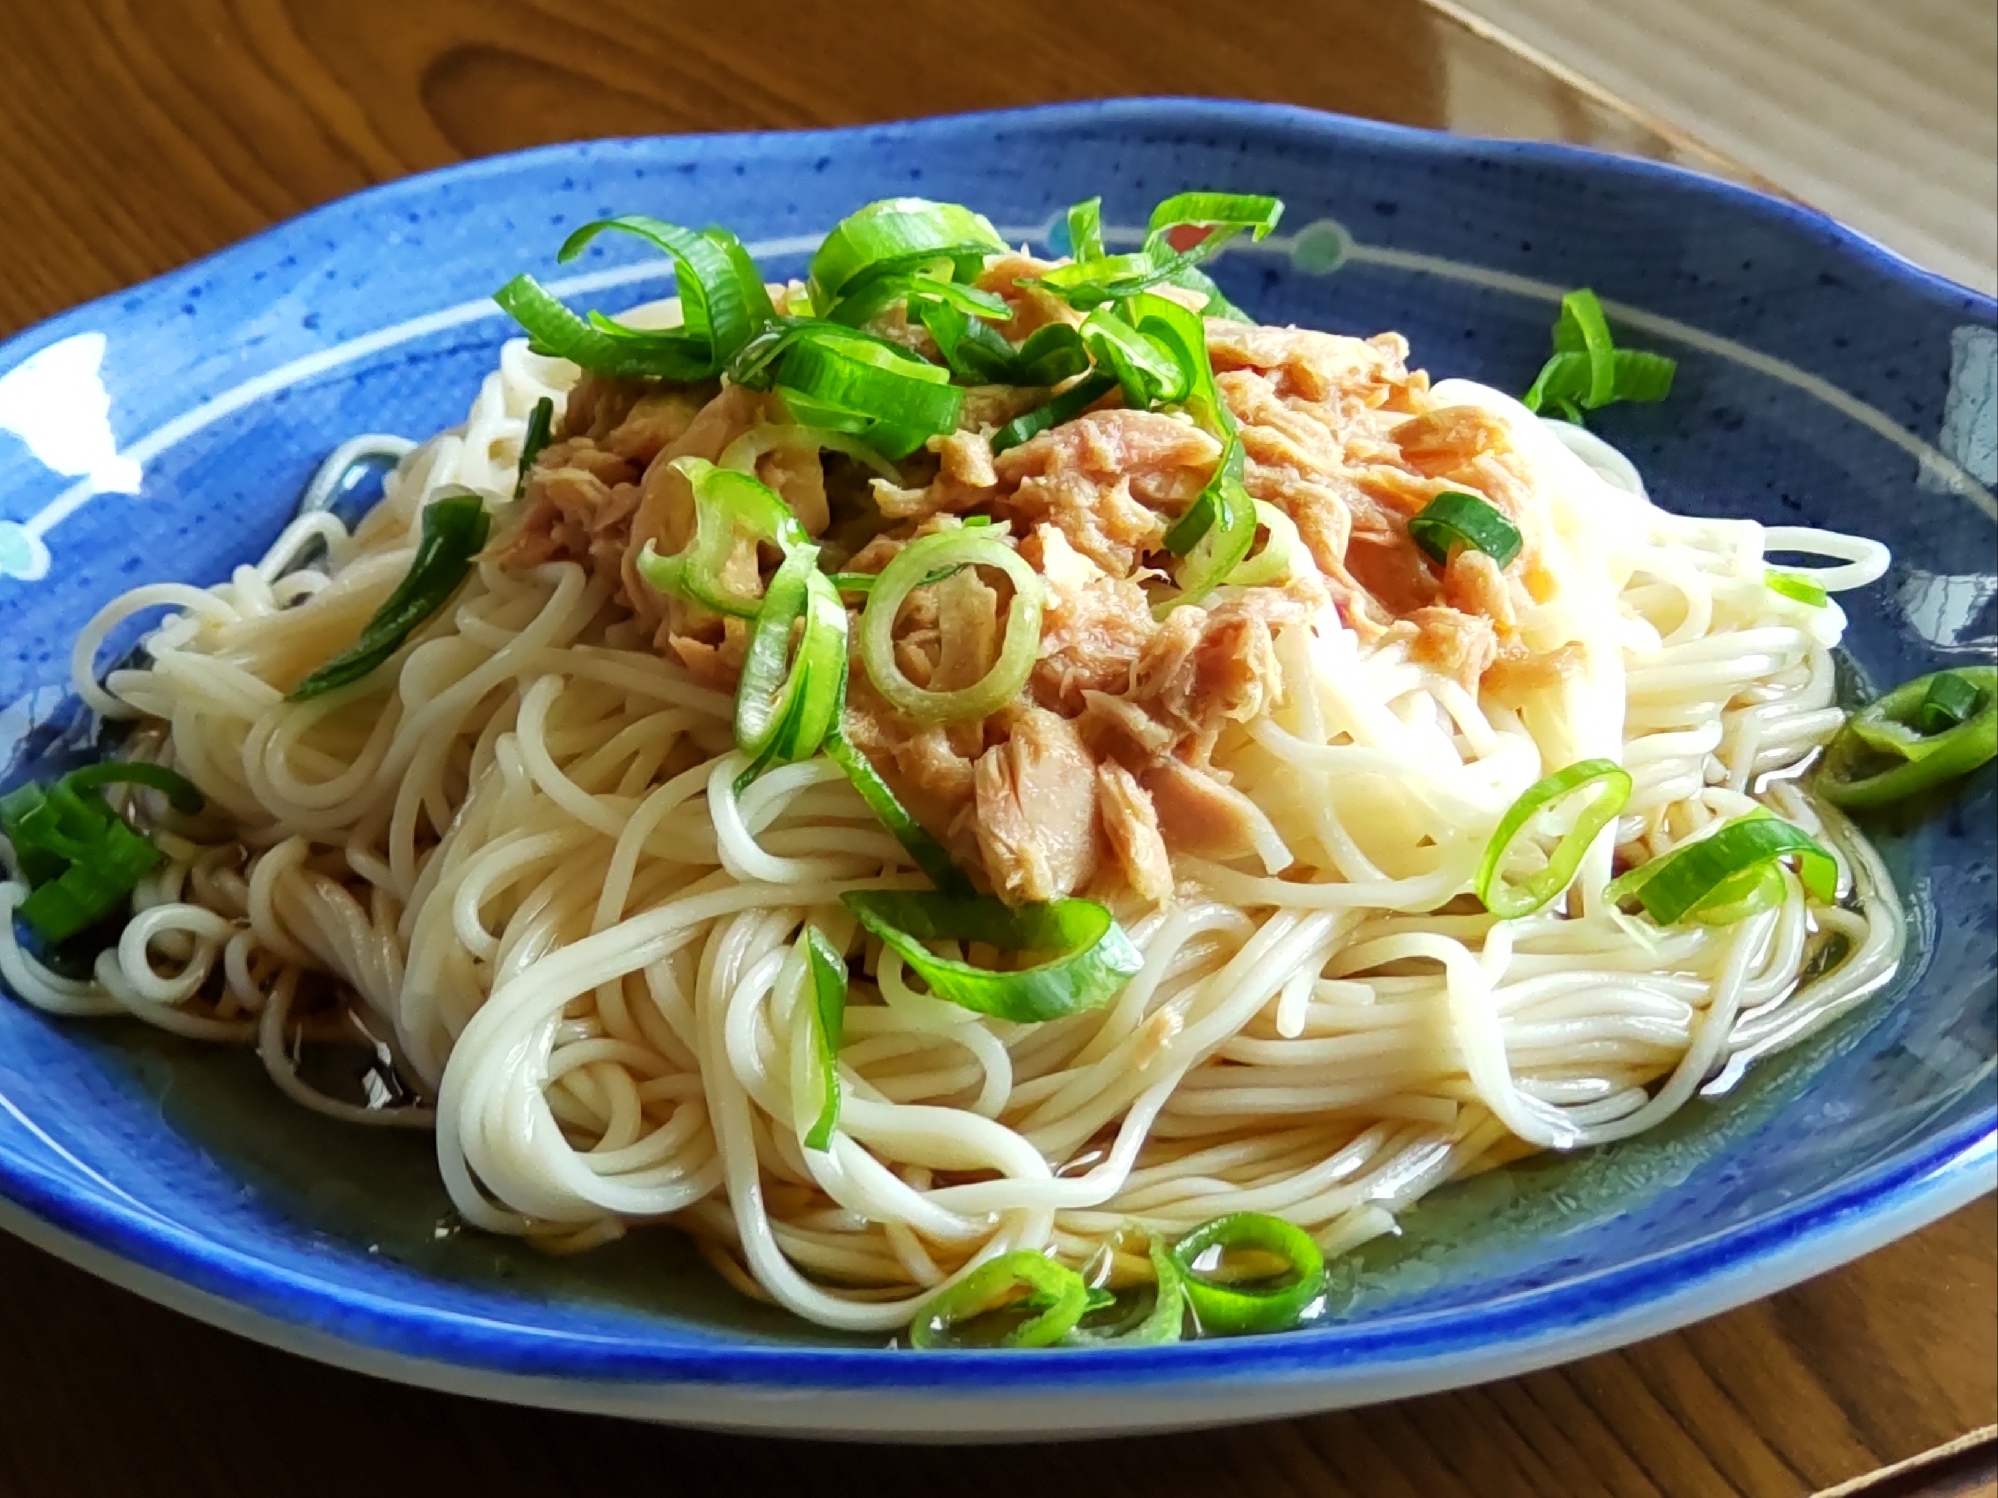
column 1952, row 1170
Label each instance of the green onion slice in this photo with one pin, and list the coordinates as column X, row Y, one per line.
column 898, row 234
column 1095, row 958
column 1147, row 1322
column 1095, row 277
column 727, row 503
column 927, row 852
column 181, row 793
column 920, row 290
column 454, row 530
column 540, row 427
column 1085, row 230
column 1796, row 589
column 1952, row 698
column 1193, row 278
column 787, row 701
column 1151, row 375
column 1713, row 880
column 1582, row 329
column 973, row 349
column 554, row 330
column 1278, row 558
column 892, row 400
column 78, row 856
column 1509, row 901
column 1923, row 733
column 743, row 453
column 911, row 568
column 1042, row 1301
column 826, row 973
column 1453, row 519
column 1070, row 404
column 722, row 297
column 1216, row 532
column 1588, row 370
column 1269, row 1303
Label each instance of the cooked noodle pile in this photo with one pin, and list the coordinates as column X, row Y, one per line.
column 516, row 865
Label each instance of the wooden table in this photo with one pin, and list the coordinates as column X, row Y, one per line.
column 140, row 135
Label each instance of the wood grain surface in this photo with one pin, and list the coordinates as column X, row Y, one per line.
column 139, row 134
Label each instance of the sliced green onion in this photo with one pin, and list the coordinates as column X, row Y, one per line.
column 1065, row 407
column 1085, row 230
column 1582, row 329
column 1278, row 558
column 1218, row 529
column 1711, row 878
column 554, row 330
column 1797, row 589
column 454, row 530
column 1588, row 371
column 1161, row 1321
column 91, row 888
column 1227, row 213
column 1095, row 957
column 1454, row 519
column 1095, row 278
column 897, row 234
column 181, row 793
column 1951, row 699
column 927, row 852
column 908, row 570
column 78, row 856
column 1193, row 278
column 717, row 299
column 1015, row 1284
column 826, row 1014
column 1049, row 356
column 540, row 426
column 1269, row 1304
column 727, row 503
column 743, row 453
column 972, row 348
column 1150, row 374
column 893, row 400
column 787, row 701
column 756, row 363
column 1510, row 901
column 922, row 291
column 1888, row 751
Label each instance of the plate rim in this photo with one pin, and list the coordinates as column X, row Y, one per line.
column 1770, row 1251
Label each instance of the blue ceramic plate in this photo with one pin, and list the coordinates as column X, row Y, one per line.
column 165, row 432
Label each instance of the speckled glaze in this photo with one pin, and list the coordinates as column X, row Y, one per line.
column 165, row 432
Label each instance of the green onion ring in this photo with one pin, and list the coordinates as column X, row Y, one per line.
column 928, row 853
column 1708, row 879
column 1228, row 1310
column 1053, row 1290
column 1797, row 589
column 1096, row 957
column 726, row 501
column 1511, row 901
column 825, row 975
column 1278, row 558
column 907, row 571
column 1163, row 1322
column 1454, row 519
column 181, row 793
column 893, row 234
column 785, row 706
column 743, row 453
